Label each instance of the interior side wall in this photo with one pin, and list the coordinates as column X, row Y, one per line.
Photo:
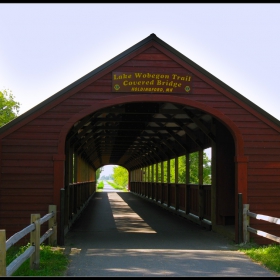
column 225, row 176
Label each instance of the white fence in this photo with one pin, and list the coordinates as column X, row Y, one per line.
column 33, row 252
column 247, row 229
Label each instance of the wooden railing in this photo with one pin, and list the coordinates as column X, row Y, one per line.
column 185, row 199
column 32, row 252
column 73, row 200
column 247, row 229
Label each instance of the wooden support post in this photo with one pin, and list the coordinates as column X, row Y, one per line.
column 2, row 252
column 152, row 181
column 67, row 180
column 52, row 224
column 246, row 223
column 75, row 168
column 176, row 170
column 162, row 181
column 240, row 218
column 157, row 173
column 187, row 204
column 201, row 201
column 200, row 186
column 176, row 184
column 157, row 184
column 213, row 185
column 168, row 182
column 35, row 241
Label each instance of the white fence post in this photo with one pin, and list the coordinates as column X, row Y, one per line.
column 2, row 252
column 52, row 224
column 35, row 241
column 246, row 223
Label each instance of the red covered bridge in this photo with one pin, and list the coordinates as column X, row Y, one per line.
column 142, row 109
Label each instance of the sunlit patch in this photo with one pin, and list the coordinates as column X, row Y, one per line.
column 169, row 254
column 141, row 270
column 126, row 219
column 75, row 251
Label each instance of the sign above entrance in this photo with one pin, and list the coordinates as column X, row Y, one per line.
column 151, row 82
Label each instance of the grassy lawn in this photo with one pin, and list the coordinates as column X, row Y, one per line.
column 100, row 186
column 117, row 187
column 53, row 262
column 268, row 256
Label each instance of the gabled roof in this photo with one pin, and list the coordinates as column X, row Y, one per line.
column 109, row 63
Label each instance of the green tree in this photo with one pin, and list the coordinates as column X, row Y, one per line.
column 9, row 108
column 193, row 166
column 98, row 172
column 193, row 161
column 120, row 176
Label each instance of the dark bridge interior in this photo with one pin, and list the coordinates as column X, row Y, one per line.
column 139, row 134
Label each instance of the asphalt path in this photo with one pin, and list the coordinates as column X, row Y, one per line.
column 121, row 235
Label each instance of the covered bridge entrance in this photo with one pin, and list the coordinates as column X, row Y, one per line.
column 144, row 109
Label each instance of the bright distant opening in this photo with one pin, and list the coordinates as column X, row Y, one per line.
column 112, row 178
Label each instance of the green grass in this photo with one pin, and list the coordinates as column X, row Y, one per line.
column 53, row 262
column 117, row 187
column 100, row 185
column 268, row 256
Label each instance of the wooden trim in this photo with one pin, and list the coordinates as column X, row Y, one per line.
column 239, row 143
column 241, row 181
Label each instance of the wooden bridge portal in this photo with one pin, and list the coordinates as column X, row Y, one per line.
column 142, row 109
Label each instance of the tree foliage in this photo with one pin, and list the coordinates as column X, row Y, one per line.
column 120, row 176
column 194, row 161
column 9, row 108
column 98, row 172
column 193, row 170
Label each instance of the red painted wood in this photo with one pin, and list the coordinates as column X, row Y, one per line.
column 31, row 153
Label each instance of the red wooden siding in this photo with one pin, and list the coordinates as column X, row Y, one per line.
column 27, row 167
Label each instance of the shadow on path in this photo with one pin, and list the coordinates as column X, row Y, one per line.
column 120, row 234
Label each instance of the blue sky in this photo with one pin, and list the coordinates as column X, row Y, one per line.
column 46, row 47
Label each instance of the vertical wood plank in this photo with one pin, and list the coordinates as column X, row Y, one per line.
column 187, row 183
column 176, row 184
column 162, row 181
column 157, row 183
column 213, row 183
column 246, row 223
column 168, row 182
column 240, row 218
column 52, row 224
column 2, row 252
column 35, row 241
column 200, row 185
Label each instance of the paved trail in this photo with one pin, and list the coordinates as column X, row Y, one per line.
column 120, row 234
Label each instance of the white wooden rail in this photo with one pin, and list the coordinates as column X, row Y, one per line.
column 32, row 252
column 247, row 229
